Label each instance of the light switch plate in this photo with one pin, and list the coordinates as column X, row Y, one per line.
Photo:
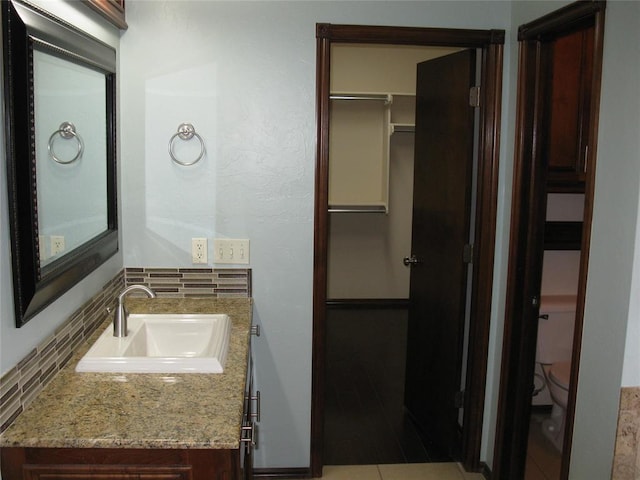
column 231, row 250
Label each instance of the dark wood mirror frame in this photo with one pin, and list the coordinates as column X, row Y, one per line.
column 23, row 25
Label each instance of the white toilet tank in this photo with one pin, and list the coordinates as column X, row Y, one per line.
column 555, row 333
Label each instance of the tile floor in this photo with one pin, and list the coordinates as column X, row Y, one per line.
column 407, row 471
column 365, row 418
column 368, row 438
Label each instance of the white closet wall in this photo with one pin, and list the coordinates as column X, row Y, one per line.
column 371, row 167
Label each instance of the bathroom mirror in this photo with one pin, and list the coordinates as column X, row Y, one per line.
column 59, row 88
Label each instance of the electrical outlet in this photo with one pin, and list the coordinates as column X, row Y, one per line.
column 199, row 250
column 57, row 244
column 230, row 250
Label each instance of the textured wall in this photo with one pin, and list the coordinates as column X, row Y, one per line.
column 244, row 74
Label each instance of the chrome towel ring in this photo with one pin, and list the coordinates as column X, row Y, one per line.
column 186, row 131
column 67, row 130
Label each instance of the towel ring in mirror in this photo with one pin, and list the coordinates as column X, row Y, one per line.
column 67, row 130
column 186, row 132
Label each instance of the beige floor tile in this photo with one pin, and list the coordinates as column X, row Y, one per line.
column 421, row 471
column 470, row 476
column 412, row 471
column 350, row 472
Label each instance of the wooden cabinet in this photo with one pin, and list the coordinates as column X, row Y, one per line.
column 119, row 464
column 250, row 415
column 570, row 63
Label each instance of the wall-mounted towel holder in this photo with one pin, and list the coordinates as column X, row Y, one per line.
column 66, row 130
column 186, row 132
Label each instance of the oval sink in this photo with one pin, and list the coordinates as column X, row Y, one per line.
column 162, row 343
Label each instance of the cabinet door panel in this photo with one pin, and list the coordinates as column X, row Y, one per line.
column 569, row 101
column 105, row 472
column 565, row 102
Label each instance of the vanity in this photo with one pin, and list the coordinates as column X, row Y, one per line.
column 150, row 426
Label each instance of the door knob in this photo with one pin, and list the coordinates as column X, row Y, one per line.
column 409, row 261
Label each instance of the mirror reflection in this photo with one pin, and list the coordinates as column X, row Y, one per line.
column 59, row 99
column 71, row 152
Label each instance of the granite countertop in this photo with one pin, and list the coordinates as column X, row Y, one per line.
column 108, row 410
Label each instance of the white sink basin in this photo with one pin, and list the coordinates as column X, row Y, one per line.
column 159, row 343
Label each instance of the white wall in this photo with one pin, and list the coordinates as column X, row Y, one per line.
column 15, row 343
column 623, row 142
column 244, row 73
column 613, row 246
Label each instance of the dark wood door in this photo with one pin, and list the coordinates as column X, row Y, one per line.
column 441, row 222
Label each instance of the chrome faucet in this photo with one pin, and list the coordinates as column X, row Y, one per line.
column 122, row 315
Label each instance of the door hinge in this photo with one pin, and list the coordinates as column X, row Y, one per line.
column 467, row 253
column 474, row 96
column 458, row 399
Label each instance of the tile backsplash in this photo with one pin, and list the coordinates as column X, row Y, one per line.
column 20, row 385
column 192, row 282
column 24, row 381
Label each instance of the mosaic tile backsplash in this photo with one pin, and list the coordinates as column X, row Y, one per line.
column 192, row 282
column 23, row 382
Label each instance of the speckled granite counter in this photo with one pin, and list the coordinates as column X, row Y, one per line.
column 103, row 410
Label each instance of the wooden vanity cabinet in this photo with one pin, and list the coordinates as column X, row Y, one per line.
column 119, row 464
column 570, row 65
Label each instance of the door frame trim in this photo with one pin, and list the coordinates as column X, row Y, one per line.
column 518, row 354
column 491, row 43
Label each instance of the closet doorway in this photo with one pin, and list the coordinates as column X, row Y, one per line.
column 489, row 45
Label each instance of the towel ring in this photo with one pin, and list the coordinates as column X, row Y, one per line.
column 185, row 132
column 66, row 130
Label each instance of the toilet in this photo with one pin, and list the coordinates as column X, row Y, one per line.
column 553, row 359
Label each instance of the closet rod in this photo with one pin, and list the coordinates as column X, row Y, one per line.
column 361, row 96
column 399, row 128
column 357, row 209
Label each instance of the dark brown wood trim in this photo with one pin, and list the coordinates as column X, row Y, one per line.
column 524, row 277
column 560, row 20
column 484, row 244
column 363, row 303
column 526, row 246
column 490, row 41
column 282, row 473
column 485, row 471
column 586, row 230
column 433, row 37
column 320, row 257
